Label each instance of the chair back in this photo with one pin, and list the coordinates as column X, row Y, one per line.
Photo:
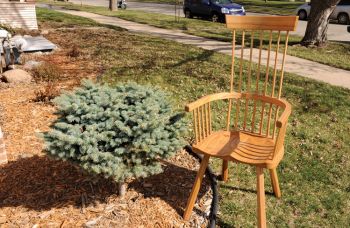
column 259, row 44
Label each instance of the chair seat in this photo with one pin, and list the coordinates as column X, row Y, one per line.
column 241, row 147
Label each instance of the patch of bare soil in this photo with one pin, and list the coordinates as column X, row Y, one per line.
column 38, row 191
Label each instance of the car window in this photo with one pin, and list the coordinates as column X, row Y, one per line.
column 222, row 1
column 344, row 3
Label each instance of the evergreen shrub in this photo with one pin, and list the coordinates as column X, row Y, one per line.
column 120, row 132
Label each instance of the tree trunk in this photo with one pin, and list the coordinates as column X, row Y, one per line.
column 316, row 30
column 112, row 5
column 122, row 188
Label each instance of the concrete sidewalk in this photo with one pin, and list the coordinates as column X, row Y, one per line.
column 306, row 68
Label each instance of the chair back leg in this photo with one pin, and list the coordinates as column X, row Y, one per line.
column 275, row 184
column 224, row 173
column 261, row 197
column 196, row 187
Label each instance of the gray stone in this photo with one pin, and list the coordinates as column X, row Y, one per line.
column 16, row 76
column 44, row 32
column 30, row 65
column 3, row 219
column 92, row 223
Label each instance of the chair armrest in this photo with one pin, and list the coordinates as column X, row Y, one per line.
column 202, row 115
column 282, row 121
column 206, row 99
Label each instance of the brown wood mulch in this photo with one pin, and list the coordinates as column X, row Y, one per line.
column 36, row 191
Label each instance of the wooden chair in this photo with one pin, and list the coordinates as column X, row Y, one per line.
column 257, row 134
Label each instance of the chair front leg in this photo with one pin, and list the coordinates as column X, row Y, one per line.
column 224, row 173
column 261, row 197
column 196, row 187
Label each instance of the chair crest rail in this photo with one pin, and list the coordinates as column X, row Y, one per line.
column 283, row 23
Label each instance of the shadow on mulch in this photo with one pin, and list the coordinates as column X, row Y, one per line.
column 172, row 186
column 42, row 183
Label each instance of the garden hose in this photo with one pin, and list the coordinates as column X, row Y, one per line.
column 214, row 187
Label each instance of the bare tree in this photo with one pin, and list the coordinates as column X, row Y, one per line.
column 316, row 30
column 112, row 5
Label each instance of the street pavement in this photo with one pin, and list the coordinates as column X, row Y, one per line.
column 336, row 32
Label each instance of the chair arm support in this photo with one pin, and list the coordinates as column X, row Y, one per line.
column 283, row 119
column 206, row 99
column 282, row 124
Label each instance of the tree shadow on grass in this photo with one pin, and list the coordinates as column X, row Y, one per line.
column 42, row 183
column 173, row 186
column 245, row 190
column 205, row 55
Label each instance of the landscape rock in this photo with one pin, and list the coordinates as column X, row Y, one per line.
column 3, row 219
column 44, row 32
column 92, row 223
column 30, row 65
column 16, row 76
column 4, row 33
column 3, row 155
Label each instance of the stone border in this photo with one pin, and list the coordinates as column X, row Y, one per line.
column 3, row 155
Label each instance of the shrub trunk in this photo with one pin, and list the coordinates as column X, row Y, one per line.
column 122, row 187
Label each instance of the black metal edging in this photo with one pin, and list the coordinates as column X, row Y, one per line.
column 214, row 187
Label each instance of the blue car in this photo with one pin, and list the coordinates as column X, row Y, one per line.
column 213, row 9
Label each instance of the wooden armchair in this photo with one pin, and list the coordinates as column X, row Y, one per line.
column 255, row 133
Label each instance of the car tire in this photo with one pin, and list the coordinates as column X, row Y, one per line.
column 215, row 17
column 302, row 15
column 188, row 13
column 343, row 18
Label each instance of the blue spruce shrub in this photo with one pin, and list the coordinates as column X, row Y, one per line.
column 119, row 132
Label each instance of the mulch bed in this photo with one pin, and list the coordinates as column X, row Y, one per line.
column 38, row 191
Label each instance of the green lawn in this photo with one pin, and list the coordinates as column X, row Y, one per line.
column 334, row 54
column 56, row 20
column 314, row 175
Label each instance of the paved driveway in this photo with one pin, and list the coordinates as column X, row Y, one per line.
column 335, row 31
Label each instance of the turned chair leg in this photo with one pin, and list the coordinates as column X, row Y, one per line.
column 224, row 173
column 275, row 184
column 261, row 197
column 196, row 186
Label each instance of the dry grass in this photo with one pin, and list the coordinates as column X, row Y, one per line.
column 46, row 94
column 47, row 72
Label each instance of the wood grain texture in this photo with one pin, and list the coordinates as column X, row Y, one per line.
column 210, row 98
column 224, row 171
column 283, row 63
column 195, row 188
column 242, row 147
column 283, row 23
column 274, row 183
column 261, row 197
column 248, row 142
